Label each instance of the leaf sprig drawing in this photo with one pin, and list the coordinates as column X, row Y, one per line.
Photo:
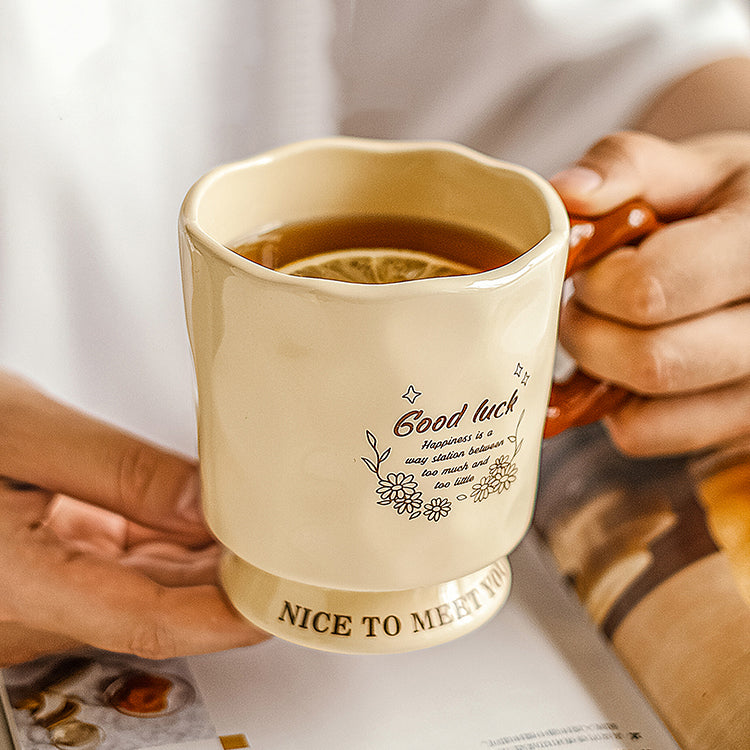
column 399, row 489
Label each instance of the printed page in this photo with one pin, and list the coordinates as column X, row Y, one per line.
column 539, row 675
column 658, row 551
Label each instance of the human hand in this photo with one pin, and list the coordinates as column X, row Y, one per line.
column 101, row 540
column 669, row 320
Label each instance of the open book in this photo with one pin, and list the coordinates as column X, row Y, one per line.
column 659, row 553
column 544, row 673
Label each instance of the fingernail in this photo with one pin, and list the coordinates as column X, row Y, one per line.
column 577, row 180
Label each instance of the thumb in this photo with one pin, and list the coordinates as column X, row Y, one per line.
column 47, row 443
column 674, row 178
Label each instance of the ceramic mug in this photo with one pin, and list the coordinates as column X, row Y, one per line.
column 369, row 452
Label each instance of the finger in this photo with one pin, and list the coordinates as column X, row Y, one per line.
column 692, row 355
column 65, row 451
column 87, row 528
column 686, row 268
column 682, row 424
column 674, row 178
column 96, row 601
column 101, row 531
column 173, row 565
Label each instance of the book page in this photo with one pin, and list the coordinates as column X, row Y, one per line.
column 658, row 551
column 539, row 675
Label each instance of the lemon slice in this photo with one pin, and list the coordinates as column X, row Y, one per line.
column 375, row 265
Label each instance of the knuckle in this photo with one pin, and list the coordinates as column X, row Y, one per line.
column 625, row 146
column 627, row 434
column 657, row 369
column 137, row 471
column 647, row 301
column 152, row 639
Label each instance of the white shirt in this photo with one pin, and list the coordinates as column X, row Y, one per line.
column 111, row 110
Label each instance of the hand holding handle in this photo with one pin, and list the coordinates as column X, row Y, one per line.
column 581, row 399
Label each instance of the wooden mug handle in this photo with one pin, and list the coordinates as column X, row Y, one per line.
column 581, row 399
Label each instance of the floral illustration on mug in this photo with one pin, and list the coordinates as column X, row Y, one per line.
column 437, row 508
column 502, row 471
column 401, row 491
column 397, row 489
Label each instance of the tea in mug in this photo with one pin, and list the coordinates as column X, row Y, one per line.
column 376, row 249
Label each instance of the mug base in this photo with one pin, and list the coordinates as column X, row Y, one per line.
column 365, row 622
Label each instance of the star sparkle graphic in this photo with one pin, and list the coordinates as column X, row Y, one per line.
column 412, row 394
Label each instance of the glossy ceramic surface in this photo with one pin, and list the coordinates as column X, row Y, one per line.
column 370, row 440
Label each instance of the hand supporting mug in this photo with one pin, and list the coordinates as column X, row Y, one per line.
column 581, row 399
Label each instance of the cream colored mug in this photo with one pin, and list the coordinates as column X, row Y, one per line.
column 369, row 452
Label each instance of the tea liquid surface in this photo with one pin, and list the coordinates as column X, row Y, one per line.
column 376, row 249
